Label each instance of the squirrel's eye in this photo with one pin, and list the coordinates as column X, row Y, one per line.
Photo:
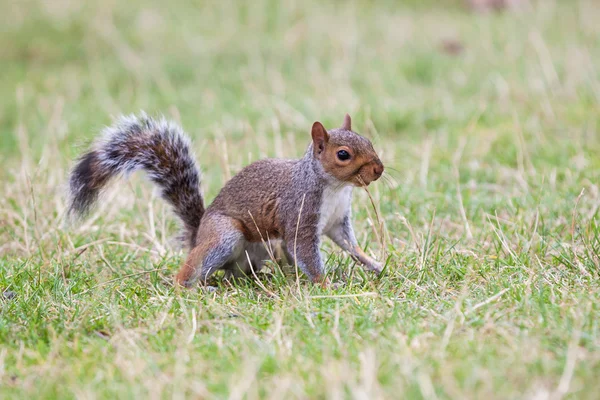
column 343, row 155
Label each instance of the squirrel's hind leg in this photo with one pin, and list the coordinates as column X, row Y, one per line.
column 251, row 260
column 219, row 241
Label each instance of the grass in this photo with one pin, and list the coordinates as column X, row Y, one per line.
column 490, row 206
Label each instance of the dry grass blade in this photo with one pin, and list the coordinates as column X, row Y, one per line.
column 296, row 245
column 345, row 296
column 122, row 278
column 270, row 293
column 496, row 144
column 381, row 233
column 266, row 243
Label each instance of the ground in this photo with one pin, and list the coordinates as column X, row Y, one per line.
column 487, row 218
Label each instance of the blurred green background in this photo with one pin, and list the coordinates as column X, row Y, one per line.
column 487, row 123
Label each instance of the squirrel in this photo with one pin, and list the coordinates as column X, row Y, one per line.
column 288, row 202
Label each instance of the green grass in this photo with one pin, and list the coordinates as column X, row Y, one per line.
column 490, row 204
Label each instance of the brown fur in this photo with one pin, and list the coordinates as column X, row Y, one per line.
column 281, row 199
column 363, row 162
column 290, row 202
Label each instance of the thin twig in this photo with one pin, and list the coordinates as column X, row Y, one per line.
column 336, row 296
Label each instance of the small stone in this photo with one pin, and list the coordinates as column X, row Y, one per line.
column 452, row 47
column 210, row 289
column 9, row 295
column 103, row 334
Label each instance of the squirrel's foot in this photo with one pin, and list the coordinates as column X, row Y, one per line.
column 322, row 280
column 182, row 283
column 368, row 263
column 325, row 283
column 337, row 285
column 374, row 266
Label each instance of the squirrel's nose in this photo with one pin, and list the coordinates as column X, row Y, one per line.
column 378, row 170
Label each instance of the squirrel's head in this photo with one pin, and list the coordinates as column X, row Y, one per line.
column 345, row 154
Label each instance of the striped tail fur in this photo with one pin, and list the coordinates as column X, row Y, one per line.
column 157, row 146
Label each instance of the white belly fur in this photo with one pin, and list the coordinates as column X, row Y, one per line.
column 335, row 204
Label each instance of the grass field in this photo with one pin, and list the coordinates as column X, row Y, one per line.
column 489, row 209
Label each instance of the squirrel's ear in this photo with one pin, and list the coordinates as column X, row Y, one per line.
column 320, row 137
column 347, row 126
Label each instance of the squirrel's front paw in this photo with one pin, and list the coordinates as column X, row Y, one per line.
column 374, row 266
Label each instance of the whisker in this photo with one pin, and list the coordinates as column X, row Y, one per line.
column 391, row 179
column 389, row 182
column 392, row 169
column 386, row 184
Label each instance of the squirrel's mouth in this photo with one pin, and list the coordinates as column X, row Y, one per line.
column 369, row 173
column 361, row 181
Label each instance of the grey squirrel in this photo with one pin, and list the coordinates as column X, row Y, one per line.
column 289, row 202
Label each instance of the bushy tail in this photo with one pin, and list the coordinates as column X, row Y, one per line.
column 157, row 146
